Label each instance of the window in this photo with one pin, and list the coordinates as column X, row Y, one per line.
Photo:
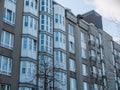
column 26, row 88
column 83, row 44
column 56, row 18
column 72, row 65
column 83, row 50
column 85, row 86
column 100, row 72
column 9, row 16
column 31, row 42
column 73, row 84
column 46, row 43
column 31, row 22
column 84, row 70
column 60, row 19
column 6, row 39
column 94, row 70
column 60, row 40
column 5, row 65
column 34, row 45
column 97, row 41
column 95, row 87
column 92, row 53
column 35, row 4
column 46, row 23
column 12, row 0
column 100, row 38
column 46, row 65
column 32, row 4
column 112, row 46
column 4, row 87
column 27, row 72
column 25, row 20
column 56, row 36
column 60, row 59
column 25, row 43
column 101, row 53
column 103, row 68
column 27, row 2
column 47, row 5
column 71, row 29
column 71, row 47
column 35, row 24
column 92, row 37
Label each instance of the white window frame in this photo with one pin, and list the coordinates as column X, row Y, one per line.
column 6, row 40
column 5, row 69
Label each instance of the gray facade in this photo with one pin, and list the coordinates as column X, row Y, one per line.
column 44, row 46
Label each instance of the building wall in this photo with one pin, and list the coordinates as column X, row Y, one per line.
column 13, row 53
column 78, row 55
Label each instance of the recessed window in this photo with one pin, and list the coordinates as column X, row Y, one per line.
column 70, row 29
column 9, row 16
column 92, row 37
column 71, row 47
column 85, row 86
column 6, row 39
column 72, row 65
column 84, row 70
column 5, row 65
column 92, row 53
column 94, row 70
column 4, row 87
column 83, row 45
column 73, row 84
column 95, row 87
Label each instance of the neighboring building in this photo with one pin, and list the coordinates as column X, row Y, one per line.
column 94, row 18
column 44, row 46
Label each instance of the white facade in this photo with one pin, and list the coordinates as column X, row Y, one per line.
column 60, row 60
column 60, row 81
column 59, row 40
column 31, row 6
column 30, row 26
column 59, row 17
column 28, row 72
column 29, row 48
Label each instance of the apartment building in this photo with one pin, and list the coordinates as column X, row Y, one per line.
column 44, row 46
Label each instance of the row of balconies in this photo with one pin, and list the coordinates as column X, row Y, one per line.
column 95, row 59
column 93, row 43
column 97, row 76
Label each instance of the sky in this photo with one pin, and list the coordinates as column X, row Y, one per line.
column 108, row 9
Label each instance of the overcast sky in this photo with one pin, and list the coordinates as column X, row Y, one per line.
column 108, row 9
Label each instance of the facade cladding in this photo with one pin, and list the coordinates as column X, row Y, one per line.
column 44, row 46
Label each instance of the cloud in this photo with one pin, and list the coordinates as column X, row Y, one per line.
column 108, row 8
